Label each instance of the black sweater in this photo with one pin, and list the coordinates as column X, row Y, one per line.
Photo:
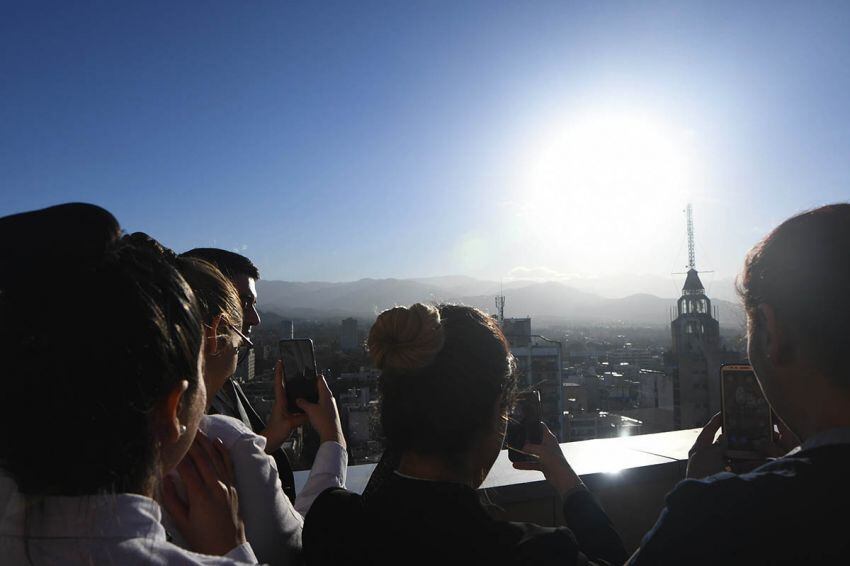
column 412, row 521
column 790, row 511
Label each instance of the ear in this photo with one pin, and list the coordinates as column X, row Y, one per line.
column 172, row 423
column 500, row 421
column 211, row 336
column 773, row 337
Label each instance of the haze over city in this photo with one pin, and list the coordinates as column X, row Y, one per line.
column 505, row 142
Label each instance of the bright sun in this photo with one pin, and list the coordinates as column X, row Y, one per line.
column 605, row 180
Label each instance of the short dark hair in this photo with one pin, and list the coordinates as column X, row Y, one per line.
column 802, row 270
column 444, row 369
column 230, row 264
column 89, row 359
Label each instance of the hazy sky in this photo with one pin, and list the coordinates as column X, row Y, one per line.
column 493, row 139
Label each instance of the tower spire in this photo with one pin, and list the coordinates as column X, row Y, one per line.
column 500, row 305
column 692, row 264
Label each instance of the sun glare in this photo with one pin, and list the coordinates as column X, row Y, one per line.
column 604, row 178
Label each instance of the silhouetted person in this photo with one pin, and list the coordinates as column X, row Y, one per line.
column 273, row 523
column 100, row 345
column 447, row 379
column 231, row 400
column 796, row 291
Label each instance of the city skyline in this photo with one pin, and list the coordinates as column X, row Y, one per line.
column 497, row 141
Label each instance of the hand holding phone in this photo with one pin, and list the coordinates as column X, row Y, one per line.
column 299, row 373
column 747, row 418
column 523, row 426
column 546, row 456
column 707, row 456
column 281, row 422
column 300, row 397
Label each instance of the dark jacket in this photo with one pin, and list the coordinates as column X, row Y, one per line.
column 412, row 521
column 790, row 511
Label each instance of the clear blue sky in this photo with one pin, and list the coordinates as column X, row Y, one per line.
column 338, row 141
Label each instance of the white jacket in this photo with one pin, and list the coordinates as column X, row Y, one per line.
column 97, row 529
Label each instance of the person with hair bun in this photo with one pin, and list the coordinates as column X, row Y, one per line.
column 447, row 380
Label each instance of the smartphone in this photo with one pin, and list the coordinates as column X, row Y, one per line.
column 747, row 420
column 299, row 372
column 523, row 426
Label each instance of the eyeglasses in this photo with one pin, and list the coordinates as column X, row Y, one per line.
column 245, row 344
column 245, row 341
column 247, row 301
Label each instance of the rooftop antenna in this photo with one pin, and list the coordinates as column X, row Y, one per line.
column 692, row 264
column 500, row 305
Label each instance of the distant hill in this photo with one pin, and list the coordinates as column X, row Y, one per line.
column 550, row 301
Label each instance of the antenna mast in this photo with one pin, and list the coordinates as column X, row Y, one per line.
column 500, row 305
column 691, row 259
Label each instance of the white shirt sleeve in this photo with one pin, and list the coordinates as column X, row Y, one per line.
column 272, row 525
column 243, row 553
column 328, row 471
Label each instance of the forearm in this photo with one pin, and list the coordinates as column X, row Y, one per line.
column 591, row 526
column 329, row 470
column 271, row 523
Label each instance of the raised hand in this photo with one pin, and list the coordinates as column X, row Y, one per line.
column 209, row 517
column 551, row 461
column 324, row 415
column 281, row 422
column 708, row 456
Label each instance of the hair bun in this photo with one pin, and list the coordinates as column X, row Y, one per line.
column 405, row 338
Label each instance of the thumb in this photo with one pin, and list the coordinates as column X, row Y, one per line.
column 305, row 405
column 279, row 388
column 312, row 413
column 322, row 386
column 786, row 438
column 533, row 449
column 706, row 435
column 535, row 465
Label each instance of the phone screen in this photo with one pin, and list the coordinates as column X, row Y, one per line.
column 299, row 372
column 746, row 413
column 523, row 425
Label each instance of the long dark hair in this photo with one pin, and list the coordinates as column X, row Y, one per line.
column 89, row 352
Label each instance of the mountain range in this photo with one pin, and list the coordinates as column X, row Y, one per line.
column 547, row 302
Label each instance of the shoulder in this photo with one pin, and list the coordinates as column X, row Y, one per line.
column 712, row 519
column 718, row 495
column 774, row 481
column 335, row 504
column 821, row 461
column 228, row 429
column 334, row 529
column 247, row 450
column 533, row 544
